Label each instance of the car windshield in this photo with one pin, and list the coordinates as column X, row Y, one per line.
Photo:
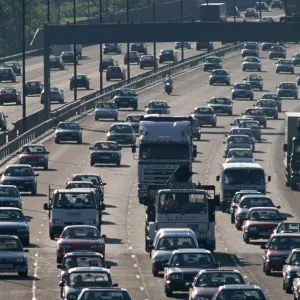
column 251, row 125
column 8, row 191
column 240, row 294
column 80, row 233
column 254, row 112
column 133, row 119
column 284, row 242
column 105, row 295
column 126, row 92
column 167, row 52
column 288, row 227
column 158, row 104
column 79, row 77
column 73, row 200
column 219, row 72
column 237, row 153
column 68, row 126
column 33, row 83
column 79, row 185
column 220, row 101
column 204, row 110
column 244, row 176
column 7, row 244
column 163, row 151
column 193, row 260
column 111, row 44
column 216, row 279
column 261, row 215
column 270, row 96
column 277, row 48
column 11, row 215
column 252, row 59
column 8, row 91
column 254, row 78
column 5, row 71
column 182, row 203
column 213, row 60
column 10, row 65
column 287, row 86
column 297, row 55
column 121, row 129
column 174, row 243
column 68, row 54
column 105, row 146
column 89, row 279
column 256, row 202
column 242, row 86
column 266, row 103
column 250, row 46
column 243, row 131
column 33, row 149
column 18, row 171
column 286, row 62
column 108, row 105
column 82, row 261
column 54, row 58
column 147, row 57
column 238, row 139
column 238, row 196
column 94, row 179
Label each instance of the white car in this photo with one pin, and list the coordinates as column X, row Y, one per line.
column 186, row 45
column 240, row 155
column 106, row 110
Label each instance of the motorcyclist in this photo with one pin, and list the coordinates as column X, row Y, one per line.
column 168, row 79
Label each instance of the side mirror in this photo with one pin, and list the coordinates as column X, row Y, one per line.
column 278, row 206
column 253, row 105
column 169, row 106
column 133, row 149
column 37, row 174
column 120, row 147
column 269, row 178
column 226, row 135
column 102, row 206
column 91, row 148
column 59, row 266
column 224, row 156
column 115, row 285
column 46, row 206
column 103, row 236
column 151, row 247
column 224, row 142
column 27, row 219
column 231, row 124
column 242, row 114
column 61, row 284
column 46, row 152
column 56, row 236
column 218, row 178
column 6, row 116
column 146, row 106
column 103, row 183
column 194, row 152
column 285, row 148
column 263, row 247
column 107, row 267
column 26, row 250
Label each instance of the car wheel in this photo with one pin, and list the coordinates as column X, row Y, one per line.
column 79, row 141
column 238, row 226
column 96, row 119
column 57, row 141
column 71, row 88
column 154, row 272
column 107, row 79
column 276, row 117
column 116, row 119
column 118, row 163
column 23, row 274
column 296, row 97
column 214, row 125
column 266, row 270
column 244, row 69
column 135, row 108
column 228, row 83
column 246, row 239
column 259, row 70
column 232, row 97
column 92, row 163
column 251, row 98
column 198, row 137
column 265, row 125
column 211, row 83
column 232, row 218
column 277, row 71
column 46, row 167
column 293, row 186
column 26, row 242
column 230, row 113
column 33, row 192
column 168, row 292
column 61, row 101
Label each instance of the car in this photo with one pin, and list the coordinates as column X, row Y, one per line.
column 254, row 126
column 112, row 48
column 167, row 55
column 133, row 58
column 139, row 47
column 242, row 91
column 33, row 87
column 287, row 227
column 207, row 282
column 3, row 121
column 115, row 72
column 275, row 97
column 79, row 237
column 196, row 129
column 258, row 114
column 238, row 121
column 262, row 6
column 7, row 74
column 239, row 291
column 236, row 200
column 251, row 63
column 105, row 153
column 9, row 95
column 68, row 57
column 56, row 62
column 134, row 121
column 79, row 185
column 205, row 115
column 277, row 250
column 250, row 49
column 106, row 110
column 212, row 62
column 81, row 277
column 251, row 13
column 148, row 61
column 56, row 94
column 166, row 241
column 104, row 293
column 219, row 76
column 157, row 107
column 186, row 45
column 287, row 90
column 290, row 273
column 239, row 155
column 248, row 201
column 269, row 106
column 296, row 59
column 68, row 132
column 256, row 81
column 126, row 98
column 284, row 65
column 277, row 52
column 222, row 105
column 15, row 66
column 107, row 62
column 237, row 141
column 22, row 176
column 209, row 46
column 10, row 196
column 267, row 20
column 266, row 46
column 122, row 133
column 259, row 223
column 35, row 155
column 244, row 131
column 82, row 81
column 276, row 4
column 12, row 256
column 183, row 267
column 13, row 222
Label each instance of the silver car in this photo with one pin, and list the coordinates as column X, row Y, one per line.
column 240, row 155
column 106, row 110
column 56, row 94
column 285, row 65
column 251, row 63
column 205, row 115
column 287, row 90
column 157, row 107
column 10, row 196
column 250, row 49
column 122, row 133
column 134, row 121
column 237, row 141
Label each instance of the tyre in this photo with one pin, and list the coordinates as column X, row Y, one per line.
column 232, row 218
column 46, row 167
column 116, row 119
column 259, row 70
column 230, row 113
column 23, row 274
column 296, row 97
column 277, row 71
column 266, row 270
column 135, row 108
column 92, row 163
column 214, row 125
column 232, row 97
column 168, row 292
column 228, row 83
column 246, row 239
column 79, row 141
column 276, row 117
column 238, row 226
column 61, row 101
column 198, row 137
column 251, row 98
column 26, row 242
column 57, row 141
column 71, row 88
column 293, row 186
column 154, row 272
column 211, row 83
column 244, row 69
column 204, row 69
column 96, row 119
column 118, row 163
column 265, row 125
column 33, row 192
column 51, row 234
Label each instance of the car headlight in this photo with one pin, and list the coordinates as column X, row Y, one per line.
column 41, row 158
column 296, row 172
column 91, row 221
column 97, row 246
column 176, row 276
column 20, row 259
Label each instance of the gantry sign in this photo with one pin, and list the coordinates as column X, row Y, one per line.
column 162, row 32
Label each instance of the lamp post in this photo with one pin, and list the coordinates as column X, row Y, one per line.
column 75, row 55
column 154, row 43
column 23, row 70
column 101, row 51
column 234, row 11
column 181, row 20
column 259, row 10
column 128, row 44
column 48, row 11
column 88, row 9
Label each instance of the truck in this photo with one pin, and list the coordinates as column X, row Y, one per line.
column 291, row 150
column 57, row 50
column 163, row 146
column 213, row 12
column 292, row 8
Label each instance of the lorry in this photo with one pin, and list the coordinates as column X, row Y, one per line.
column 213, row 12
column 163, row 146
column 57, row 50
column 291, row 150
column 291, row 8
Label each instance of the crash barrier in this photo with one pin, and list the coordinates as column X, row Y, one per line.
column 37, row 125
column 20, row 55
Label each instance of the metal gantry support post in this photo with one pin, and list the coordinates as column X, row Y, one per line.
column 154, row 43
column 259, row 10
column 234, row 11
column 128, row 44
column 48, row 11
column 101, row 51
column 75, row 55
column 181, row 20
column 24, row 69
column 47, row 105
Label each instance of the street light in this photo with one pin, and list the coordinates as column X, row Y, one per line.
column 128, row 44
column 234, row 11
column 181, row 20
column 154, row 43
column 24, row 70
column 259, row 10
column 101, row 51
column 48, row 11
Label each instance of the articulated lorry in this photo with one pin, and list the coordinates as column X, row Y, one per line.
column 213, row 12
column 58, row 49
column 291, row 150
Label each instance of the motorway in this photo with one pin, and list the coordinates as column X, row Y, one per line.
column 123, row 222
column 88, row 65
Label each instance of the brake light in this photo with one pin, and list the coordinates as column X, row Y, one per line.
column 271, row 231
column 140, row 185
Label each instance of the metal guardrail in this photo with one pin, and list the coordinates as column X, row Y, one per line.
column 20, row 55
column 16, row 138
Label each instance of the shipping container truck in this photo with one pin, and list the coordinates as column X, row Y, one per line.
column 213, row 12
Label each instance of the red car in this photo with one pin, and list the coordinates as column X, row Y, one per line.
column 79, row 238
column 9, row 95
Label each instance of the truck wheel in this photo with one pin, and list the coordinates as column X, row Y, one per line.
column 168, row 292
column 232, row 218
column 223, row 207
column 246, row 239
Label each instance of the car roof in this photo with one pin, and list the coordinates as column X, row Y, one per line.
column 11, row 208
column 80, row 226
column 86, row 174
column 104, row 289
column 77, row 191
column 248, row 191
column 83, row 253
column 8, row 236
column 241, row 135
column 287, row 82
column 240, row 149
column 172, row 232
column 8, row 185
column 192, row 250
column 85, row 182
column 88, row 269
column 256, row 196
column 19, row 165
column 263, row 208
column 286, row 234
column 219, row 271
column 239, row 286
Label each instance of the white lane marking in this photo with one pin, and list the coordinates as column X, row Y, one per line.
column 36, row 257
column 142, row 289
column 138, row 276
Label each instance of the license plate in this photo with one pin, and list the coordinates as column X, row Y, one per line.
column 6, row 266
column 104, row 157
column 264, row 234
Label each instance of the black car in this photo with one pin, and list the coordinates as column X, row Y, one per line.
column 209, row 46
column 212, row 62
column 105, row 153
column 56, row 62
column 115, row 72
column 68, row 57
column 82, row 82
column 126, row 98
column 33, row 88
column 68, row 131
column 9, row 95
column 167, row 55
column 296, row 59
column 276, row 4
column 15, row 66
column 139, row 47
column 266, row 46
column 133, row 57
column 255, row 81
column 112, row 48
column 7, row 74
column 269, row 106
column 106, row 63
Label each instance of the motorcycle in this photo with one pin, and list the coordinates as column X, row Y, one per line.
column 168, row 88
